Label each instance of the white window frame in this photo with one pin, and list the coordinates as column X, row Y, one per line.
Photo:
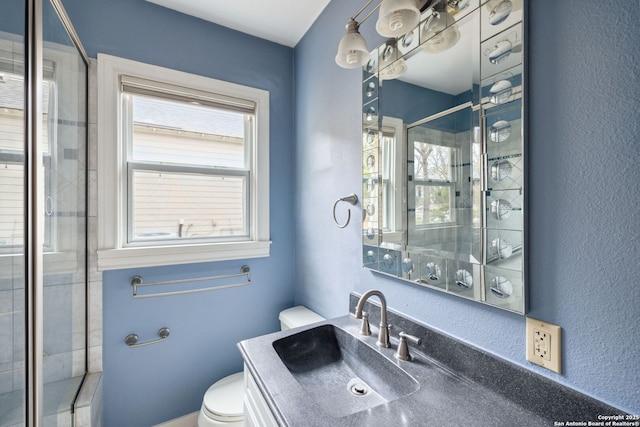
column 426, row 182
column 393, row 180
column 111, row 186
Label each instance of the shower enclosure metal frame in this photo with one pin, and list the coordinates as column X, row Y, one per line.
column 33, row 200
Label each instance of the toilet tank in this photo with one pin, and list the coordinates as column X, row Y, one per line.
column 297, row 316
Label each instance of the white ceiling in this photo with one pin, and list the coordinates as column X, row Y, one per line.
column 281, row 21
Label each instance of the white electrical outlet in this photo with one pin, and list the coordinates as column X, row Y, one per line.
column 544, row 344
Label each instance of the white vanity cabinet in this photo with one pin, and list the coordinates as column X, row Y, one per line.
column 256, row 410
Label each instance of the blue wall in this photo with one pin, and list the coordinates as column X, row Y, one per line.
column 584, row 221
column 148, row 385
column 423, row 102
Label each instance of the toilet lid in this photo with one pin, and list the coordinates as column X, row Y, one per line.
column 223, row 400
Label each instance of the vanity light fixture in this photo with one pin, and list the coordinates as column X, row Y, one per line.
column 396, row 18
column 352, row 50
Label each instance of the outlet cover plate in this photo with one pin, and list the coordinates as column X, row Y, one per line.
column 544, row 344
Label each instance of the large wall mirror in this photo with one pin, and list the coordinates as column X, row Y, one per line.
column 443, row 153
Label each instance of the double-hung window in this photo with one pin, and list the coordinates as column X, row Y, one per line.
column 434, row 184
column 189, row 174
column 433, row 155
column 392, row 142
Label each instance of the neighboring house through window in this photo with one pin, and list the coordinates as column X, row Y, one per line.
column 12, row 161
column 183, row 167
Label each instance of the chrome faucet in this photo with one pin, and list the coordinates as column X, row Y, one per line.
column 383, row 334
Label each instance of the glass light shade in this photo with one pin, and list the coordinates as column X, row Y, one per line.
column 352, row 50
column 397, row 17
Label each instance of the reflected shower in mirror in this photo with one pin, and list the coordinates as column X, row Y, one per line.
column 443, row 146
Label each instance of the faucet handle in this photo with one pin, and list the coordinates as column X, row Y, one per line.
column 403, row 347
column 364, row 328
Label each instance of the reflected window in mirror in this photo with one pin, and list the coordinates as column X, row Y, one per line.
column 454, row 220
column 392, row 142
column 433, row 179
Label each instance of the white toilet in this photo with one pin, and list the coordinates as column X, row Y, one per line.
column 222, row 403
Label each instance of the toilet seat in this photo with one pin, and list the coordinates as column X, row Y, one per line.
column 223, row 400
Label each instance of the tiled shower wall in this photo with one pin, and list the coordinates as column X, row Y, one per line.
column 94, row 276
column 89, row 403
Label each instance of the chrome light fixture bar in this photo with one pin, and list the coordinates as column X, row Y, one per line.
column 396, row 18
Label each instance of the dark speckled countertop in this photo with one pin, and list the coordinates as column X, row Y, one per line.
column 460, row 385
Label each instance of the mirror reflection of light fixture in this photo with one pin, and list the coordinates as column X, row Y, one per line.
column 371, row 113
column 463, row 279
column 501, row 248
column 396, row 18
column 500, row 52
column 370, row 233
column 408, row 266
column 499, row 11
column 395, row 70
column 500, row 209
column 501, row 287
column 458, row 5
column 388, row 260
column 500, row 170
column 371, row 137
column 438, row 36
column 500, row 131
column 371, row 256
column 390, row 68
column 500, row 92
column 433, row 271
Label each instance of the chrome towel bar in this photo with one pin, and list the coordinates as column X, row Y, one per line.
column 136, row 282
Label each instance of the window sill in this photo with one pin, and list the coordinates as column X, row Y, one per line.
column 112, row 259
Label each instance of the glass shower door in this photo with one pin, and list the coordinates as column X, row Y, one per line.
column 58, row 208
column 12, row 172
column 64, row 146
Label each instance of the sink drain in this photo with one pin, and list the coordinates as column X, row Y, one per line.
column 359, row 389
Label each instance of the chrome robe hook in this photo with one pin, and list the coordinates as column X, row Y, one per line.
column 353, row 199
